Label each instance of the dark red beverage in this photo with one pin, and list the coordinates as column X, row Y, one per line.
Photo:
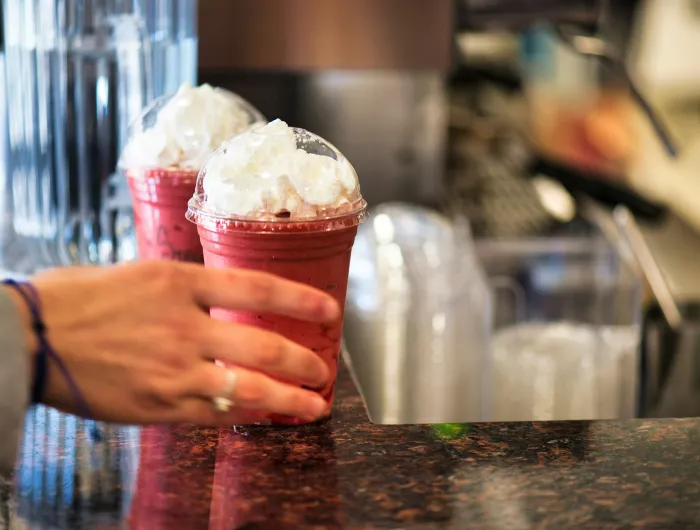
column 302, row 254
column 160, row 201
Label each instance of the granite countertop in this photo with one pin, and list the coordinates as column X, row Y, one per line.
column 349, row 473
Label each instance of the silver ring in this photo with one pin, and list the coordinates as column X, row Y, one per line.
column 223, row 403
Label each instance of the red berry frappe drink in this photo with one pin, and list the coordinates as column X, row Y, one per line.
column 283, row 201
column 167, row 147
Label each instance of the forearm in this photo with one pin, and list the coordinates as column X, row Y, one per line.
column 15, row 374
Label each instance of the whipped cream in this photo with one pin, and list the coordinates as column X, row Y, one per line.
column 188, row 128
column 268, row 171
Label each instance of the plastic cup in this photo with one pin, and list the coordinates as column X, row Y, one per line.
column 160, row 194
column 310, row 247
column 160, row 202
column 318, row 259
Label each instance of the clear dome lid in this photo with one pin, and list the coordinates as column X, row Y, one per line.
column 182, row 130
column 277, row 176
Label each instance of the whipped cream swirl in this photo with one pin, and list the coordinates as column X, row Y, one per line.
column 182, row 130
column 276, row 170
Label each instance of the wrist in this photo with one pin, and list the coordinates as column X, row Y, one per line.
column 30, row 340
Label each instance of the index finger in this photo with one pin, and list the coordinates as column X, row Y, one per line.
column 246, row 290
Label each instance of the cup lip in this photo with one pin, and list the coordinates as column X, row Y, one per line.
column 154, row 173
column 217, row 222
column 155, row 184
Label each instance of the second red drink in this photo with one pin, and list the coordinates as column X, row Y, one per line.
column 166, row 148
column 162, row 232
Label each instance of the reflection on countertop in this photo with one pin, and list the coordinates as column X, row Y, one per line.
column 348, row 473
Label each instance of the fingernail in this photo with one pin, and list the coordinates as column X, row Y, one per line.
column 322, row 380
column 331, row 310
column 319, row 406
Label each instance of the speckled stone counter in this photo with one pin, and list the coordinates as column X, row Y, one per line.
column 348, row 473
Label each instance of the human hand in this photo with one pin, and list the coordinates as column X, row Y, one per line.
column 138, row 340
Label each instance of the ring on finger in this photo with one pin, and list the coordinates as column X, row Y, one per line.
column 223, row 402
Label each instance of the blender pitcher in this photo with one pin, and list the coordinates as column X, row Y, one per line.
column 82, row 71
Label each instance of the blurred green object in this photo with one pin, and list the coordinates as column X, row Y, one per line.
column 451, row 431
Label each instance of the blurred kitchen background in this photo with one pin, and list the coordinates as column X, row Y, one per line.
column 535, row 228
